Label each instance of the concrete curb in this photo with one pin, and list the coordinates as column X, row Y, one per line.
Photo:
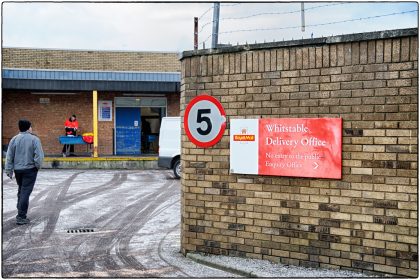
column 88, row 159
column 205, row 261
column 141, row 163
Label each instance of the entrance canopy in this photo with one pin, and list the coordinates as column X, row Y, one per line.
column 67, row 80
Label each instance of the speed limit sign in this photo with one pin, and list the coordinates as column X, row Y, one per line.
column 204, row 121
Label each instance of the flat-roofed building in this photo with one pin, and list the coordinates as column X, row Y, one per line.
column 48, row 86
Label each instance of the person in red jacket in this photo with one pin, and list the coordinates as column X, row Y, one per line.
column 71, row 125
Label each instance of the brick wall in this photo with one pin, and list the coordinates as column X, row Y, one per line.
column 173, row 104
column 90, row 60
column 48, row 119
column 368, row 220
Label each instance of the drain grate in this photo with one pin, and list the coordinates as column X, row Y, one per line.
column 80, row 230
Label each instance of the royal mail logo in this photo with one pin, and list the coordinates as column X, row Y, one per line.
column 244, row 137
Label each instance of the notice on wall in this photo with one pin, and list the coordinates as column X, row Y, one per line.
column 105, row 110
column 295, row 147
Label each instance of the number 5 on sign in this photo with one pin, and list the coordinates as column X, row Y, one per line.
column 204, row 121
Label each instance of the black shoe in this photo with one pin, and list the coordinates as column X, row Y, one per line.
column 22, row 221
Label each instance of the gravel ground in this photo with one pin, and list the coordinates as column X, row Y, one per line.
column 266, row 269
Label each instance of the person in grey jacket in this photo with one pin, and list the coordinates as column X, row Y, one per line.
column 24, row 157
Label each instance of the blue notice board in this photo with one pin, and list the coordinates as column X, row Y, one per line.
column 105, row 110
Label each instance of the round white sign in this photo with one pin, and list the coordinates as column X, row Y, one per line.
column 204, row 121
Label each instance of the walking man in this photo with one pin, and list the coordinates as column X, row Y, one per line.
column 24, row 157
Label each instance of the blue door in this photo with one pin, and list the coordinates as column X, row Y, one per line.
column 128, row 131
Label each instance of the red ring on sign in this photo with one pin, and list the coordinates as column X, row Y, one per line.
column 219, row 106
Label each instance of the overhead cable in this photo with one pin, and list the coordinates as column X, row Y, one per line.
column 205, row 12
column 272, row 13
column 283, row 13
column 311, row 25
column 231, row 5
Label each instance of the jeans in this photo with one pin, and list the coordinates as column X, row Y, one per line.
column 26, row 180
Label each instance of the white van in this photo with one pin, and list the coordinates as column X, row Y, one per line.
column 170, row 145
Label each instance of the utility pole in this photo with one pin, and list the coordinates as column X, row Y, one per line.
column 215, row 32
column 195, row 33
column 302, row 15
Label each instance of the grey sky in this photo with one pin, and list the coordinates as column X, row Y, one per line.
column 169, row 26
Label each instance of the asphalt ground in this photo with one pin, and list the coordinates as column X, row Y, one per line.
column 115, row 224
column 98, row 223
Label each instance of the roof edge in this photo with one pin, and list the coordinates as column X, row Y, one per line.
column 366, row 36
column 88, row 50
column 90, row 71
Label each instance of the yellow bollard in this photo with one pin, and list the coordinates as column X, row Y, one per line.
column 95, row 124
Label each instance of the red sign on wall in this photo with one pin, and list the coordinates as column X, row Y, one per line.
column 288, row 147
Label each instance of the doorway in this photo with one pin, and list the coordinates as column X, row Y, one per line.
column 128, row 130
column 137, row 124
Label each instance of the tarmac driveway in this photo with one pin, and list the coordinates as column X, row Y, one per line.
column 98, row 223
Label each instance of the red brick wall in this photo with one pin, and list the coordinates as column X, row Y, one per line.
column 48, row 119
column 105, row 129
column 173, row 104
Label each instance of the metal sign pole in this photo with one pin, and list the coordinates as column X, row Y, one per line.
column 195, row 33
column 215, row 33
